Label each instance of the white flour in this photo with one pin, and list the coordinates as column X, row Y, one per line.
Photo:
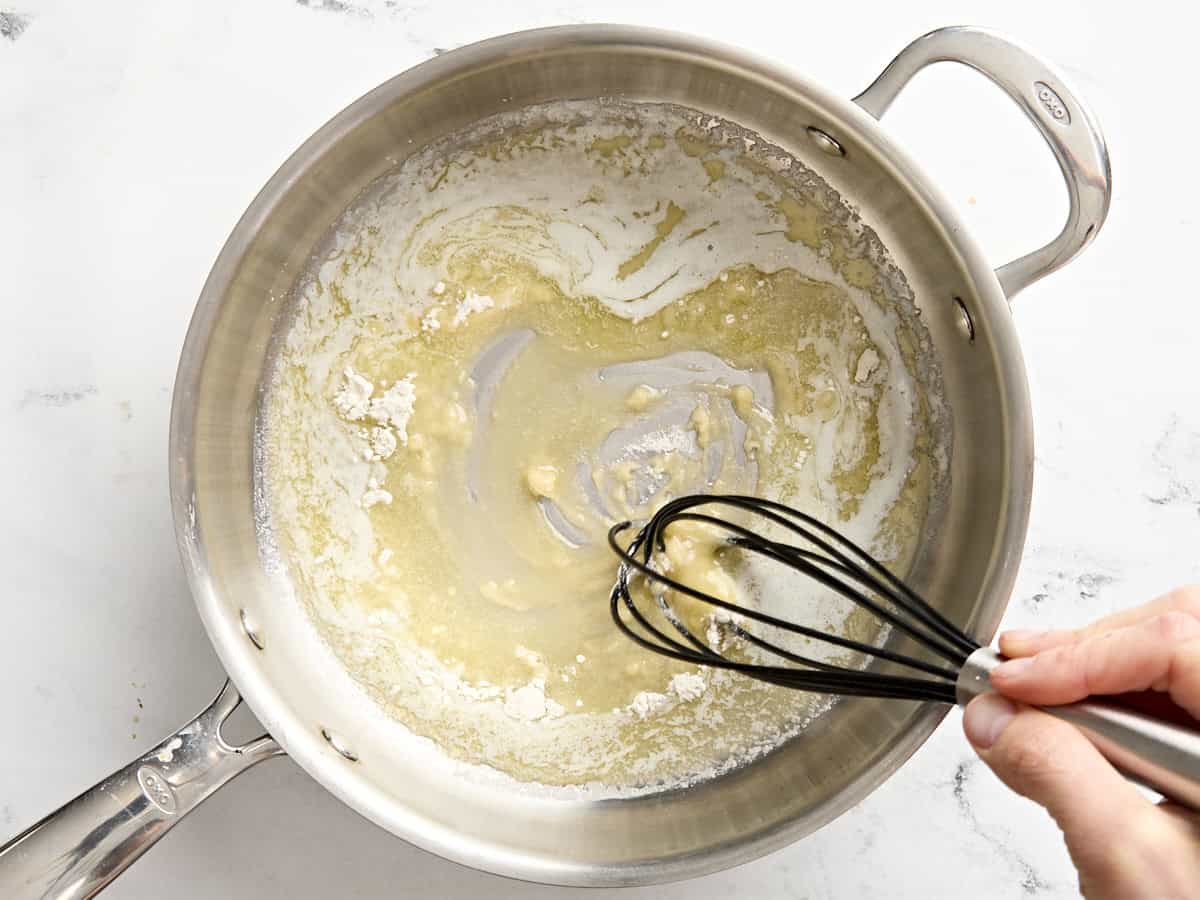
column 688, row 686
column 383, row 443
column 353, row 446
column 430, row 321
column 648, row 703
column 675, row 440
column 375, row 495
column 354, row 398
column 529, row 702
column 392, row 410
column 472, row 303
column 395, row 407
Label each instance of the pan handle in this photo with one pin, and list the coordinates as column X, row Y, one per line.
column 1157, row 751
column 76, row 851
column 1065, row 123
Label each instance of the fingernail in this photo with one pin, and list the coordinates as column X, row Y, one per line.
column 1012, row 669
column 1023, row 635
column 986, row 717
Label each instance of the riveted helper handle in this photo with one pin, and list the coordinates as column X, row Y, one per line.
column 1043, row 95
column 1155, row 752
column 76, row 851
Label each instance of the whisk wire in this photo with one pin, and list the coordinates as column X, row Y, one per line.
column 810, row 564
column 899, row 591
column 841, row 566
column 846, row 682
column 821, row 535
column 765, row 618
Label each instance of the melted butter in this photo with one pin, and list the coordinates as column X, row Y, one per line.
column 607, row 147
column 590, row 419
column 715, row 169
column 641, row 397
column 694, row 557
column 804, row 221
column 671, row 219
column 542, row 480
column 533, row 459
column 619, row 360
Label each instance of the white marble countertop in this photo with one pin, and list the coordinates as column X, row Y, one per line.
column 132, row 136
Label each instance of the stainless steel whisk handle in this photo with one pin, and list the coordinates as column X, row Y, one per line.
column 1160, row 755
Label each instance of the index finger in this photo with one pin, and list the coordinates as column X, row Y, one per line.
column 1160, row 654
column 1184, row 599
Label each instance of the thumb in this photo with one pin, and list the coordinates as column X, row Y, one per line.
column 1054, row 765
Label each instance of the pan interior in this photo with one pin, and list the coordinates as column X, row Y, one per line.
column 549, row 321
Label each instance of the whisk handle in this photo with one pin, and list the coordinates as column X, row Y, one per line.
column 1162, row 755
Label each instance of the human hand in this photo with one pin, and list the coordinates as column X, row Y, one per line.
column 1123, row 845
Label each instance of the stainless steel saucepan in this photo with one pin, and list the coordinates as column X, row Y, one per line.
column 313, row 709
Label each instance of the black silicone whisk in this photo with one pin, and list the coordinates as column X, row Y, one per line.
column 946, row 665
column 825, row 556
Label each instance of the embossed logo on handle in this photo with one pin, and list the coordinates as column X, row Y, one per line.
column 156, row 789
column 1051, row 103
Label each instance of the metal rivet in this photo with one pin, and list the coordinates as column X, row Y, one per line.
column 825, row 142
column 251, row 630
column 965, row 325
column 339, row 745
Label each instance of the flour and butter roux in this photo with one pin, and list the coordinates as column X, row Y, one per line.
column 553, row 323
